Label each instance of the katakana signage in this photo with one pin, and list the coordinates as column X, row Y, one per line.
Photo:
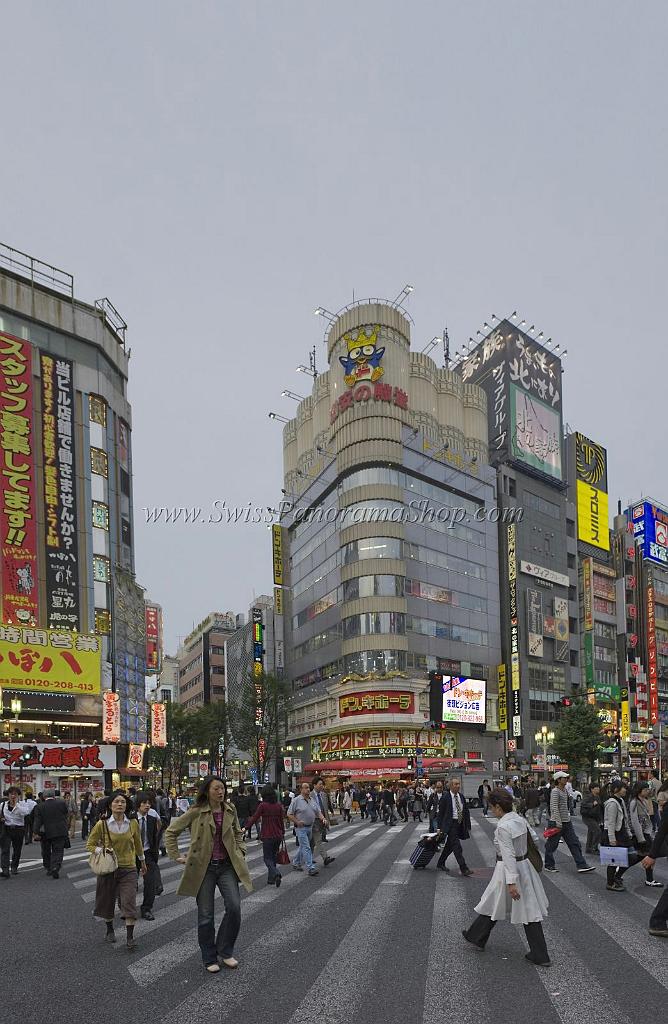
column 522, row 381
column 60, row 502
column 18, row 512
column 49, row 660
column 372, row 702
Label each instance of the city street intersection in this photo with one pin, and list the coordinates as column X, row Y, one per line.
column 368, row 935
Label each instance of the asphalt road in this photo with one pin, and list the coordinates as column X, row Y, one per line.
column 368, row 937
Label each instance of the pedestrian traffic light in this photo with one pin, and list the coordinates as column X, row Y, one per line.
column 29, row 755
column 409, row 764
column 566, row 702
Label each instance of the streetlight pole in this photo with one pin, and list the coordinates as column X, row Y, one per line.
column 544, row 737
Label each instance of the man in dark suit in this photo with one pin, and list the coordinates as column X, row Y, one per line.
column 51, row 828
column 149, row 831
column 454, row 823
column 658, row 922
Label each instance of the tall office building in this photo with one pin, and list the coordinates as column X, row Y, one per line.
column 201, row 660
column 68, row 559
column 641, row 557
column 377, row 582
column 522, row 380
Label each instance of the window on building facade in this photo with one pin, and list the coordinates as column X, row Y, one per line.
column 315, row 609
column 374, row 622
column 541, row 505
column 375, row 661
column 372, row 547
column 165, row 696
column 125, row 482
column 373, row 586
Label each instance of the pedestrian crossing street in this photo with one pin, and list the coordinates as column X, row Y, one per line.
column 369, row 913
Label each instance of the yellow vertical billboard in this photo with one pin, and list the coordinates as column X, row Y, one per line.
column 591, row 467
column 277, row 551
column 503, row 697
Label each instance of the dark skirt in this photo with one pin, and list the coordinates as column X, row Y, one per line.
column 121, row 885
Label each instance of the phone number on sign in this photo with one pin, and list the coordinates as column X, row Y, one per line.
column 50, row 685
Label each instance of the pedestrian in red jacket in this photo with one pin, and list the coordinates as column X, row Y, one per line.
column 272, row 813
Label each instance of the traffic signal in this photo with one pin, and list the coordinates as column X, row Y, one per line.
column 29, row 755
column 566, row 702
column 409, row 764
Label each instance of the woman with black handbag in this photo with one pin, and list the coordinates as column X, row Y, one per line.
column 119, row 833
column 272, row 830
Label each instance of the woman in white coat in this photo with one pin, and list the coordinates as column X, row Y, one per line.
column 515, row 890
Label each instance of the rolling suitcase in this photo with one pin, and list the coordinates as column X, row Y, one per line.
column 424, row 853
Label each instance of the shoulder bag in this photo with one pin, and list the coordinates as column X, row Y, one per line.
column 104, row 861
column 533, row 853
column 283, row 857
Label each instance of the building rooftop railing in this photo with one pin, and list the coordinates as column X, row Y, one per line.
column 36, row 270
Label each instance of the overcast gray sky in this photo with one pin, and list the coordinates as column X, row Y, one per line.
column 219, row 169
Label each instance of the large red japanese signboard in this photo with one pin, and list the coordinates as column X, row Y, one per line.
column 49, row 756
column 18, row 513
column 49, row 660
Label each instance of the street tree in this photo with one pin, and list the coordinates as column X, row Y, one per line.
column 579, row 736
column 182, row 734
column 212, row 726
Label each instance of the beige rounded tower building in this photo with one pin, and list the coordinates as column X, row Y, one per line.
column 390, row 566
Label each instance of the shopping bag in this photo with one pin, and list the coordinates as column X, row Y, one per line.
column 614, row 856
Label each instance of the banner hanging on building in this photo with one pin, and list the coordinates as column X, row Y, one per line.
column 49, row 660
column 514, row 631
column 60, row 503
column 534, row 623
column 111, row 717
column 277, row 551
column 18, row 512
column 153, row 638
column 652, row 670
column 503, row 697
column 158, row 724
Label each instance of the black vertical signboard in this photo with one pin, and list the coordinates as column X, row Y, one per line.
column 60, row 502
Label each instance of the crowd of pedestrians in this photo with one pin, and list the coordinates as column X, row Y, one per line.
column 628, row 825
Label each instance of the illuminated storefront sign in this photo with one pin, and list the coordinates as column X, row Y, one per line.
column 542, row 573
column 60, row 501
column 49, row 660
column 503, row 697
column 258, row 662
column 374, row 701
column 111, row 717
column 588, row 592
column 384, row 743
column 18, row 514
column 464, row 700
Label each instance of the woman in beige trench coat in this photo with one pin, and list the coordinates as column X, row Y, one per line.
column 216, row 859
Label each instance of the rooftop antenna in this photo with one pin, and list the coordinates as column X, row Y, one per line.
column 446, row 349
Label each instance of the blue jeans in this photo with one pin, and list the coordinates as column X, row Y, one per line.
column 304, row 856
column 572, row 842
column 224, row 877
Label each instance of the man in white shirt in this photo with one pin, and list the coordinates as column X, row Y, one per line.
column 13, row 811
